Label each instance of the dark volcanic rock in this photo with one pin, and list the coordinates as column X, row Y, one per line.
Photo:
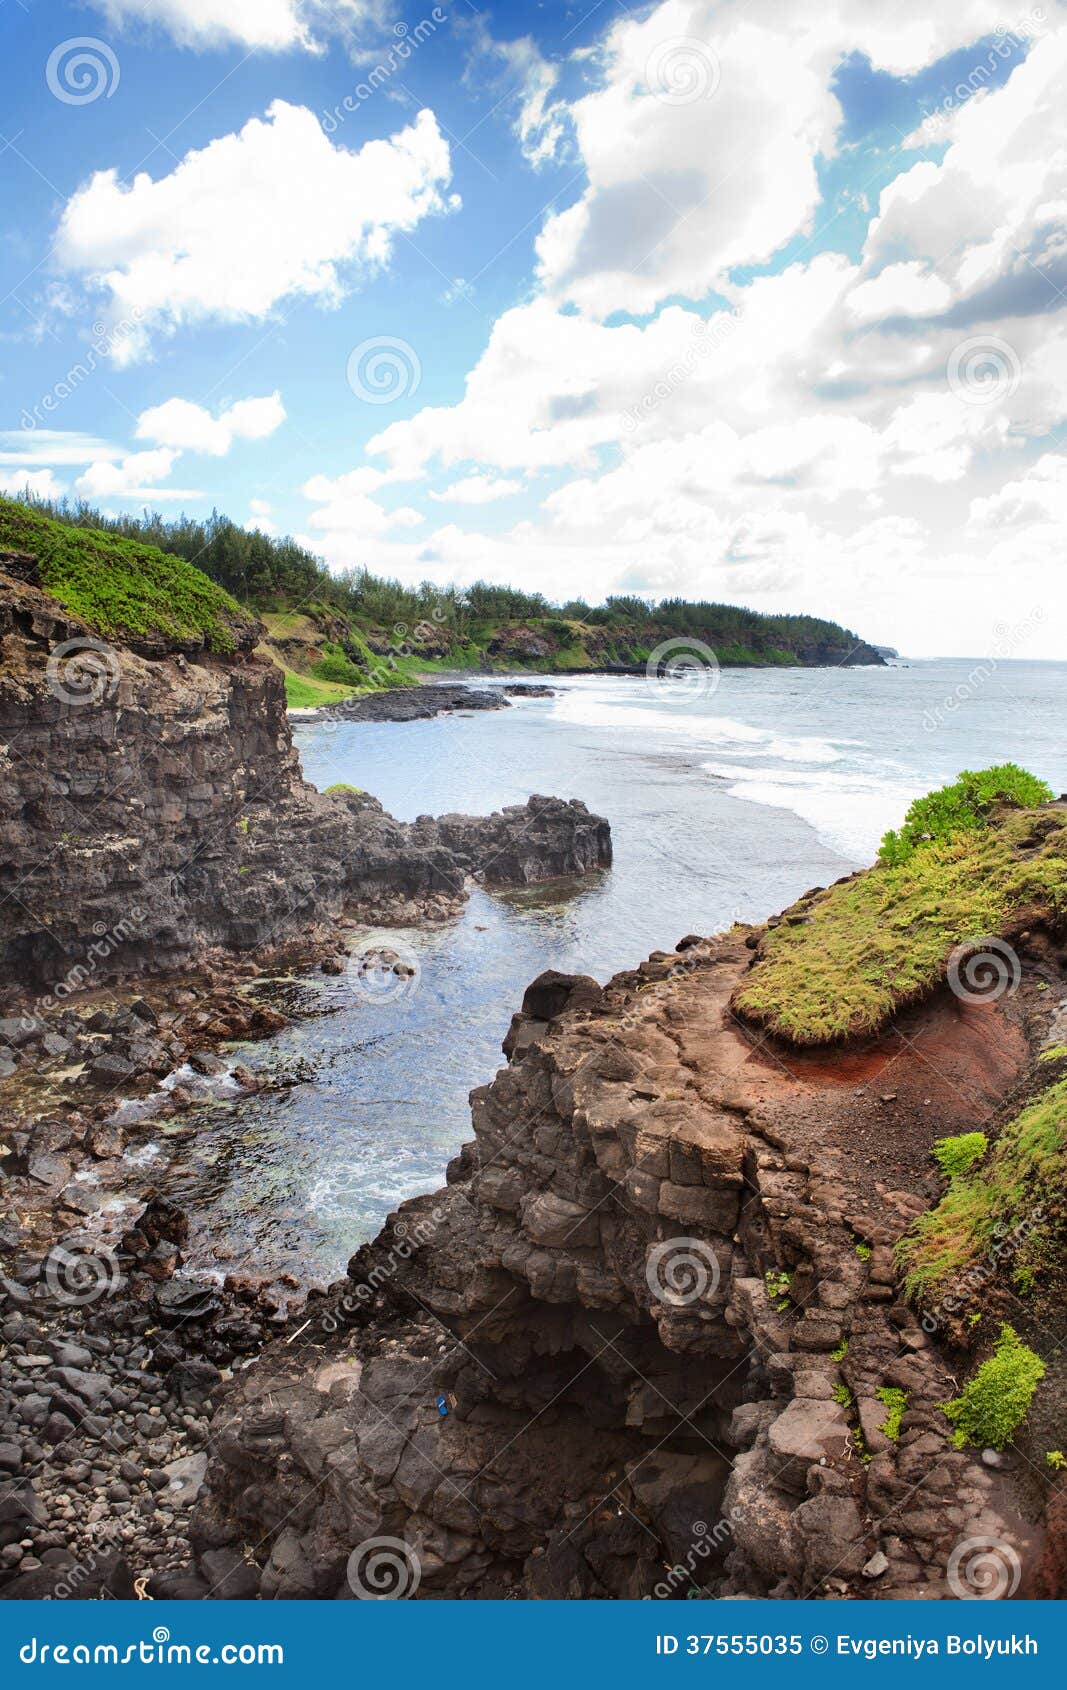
column 574, row 1372
column 543, row 839
column 412, row 704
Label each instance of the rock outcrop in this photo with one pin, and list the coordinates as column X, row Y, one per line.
column 636, row 1347
column 152, row 808
column 412, row 704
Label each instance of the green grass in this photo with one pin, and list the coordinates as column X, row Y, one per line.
column 841, row 963
column 124, row 589
column 302, row 693
column 340, row 787
column 1014, row 1204
column 956, row 1156
column 289, row 624
column 995, row 1402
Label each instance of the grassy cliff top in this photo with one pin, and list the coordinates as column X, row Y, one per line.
column 125, row 589
column 974, row 861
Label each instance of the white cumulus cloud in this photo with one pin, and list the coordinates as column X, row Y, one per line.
column 273, row 212
column 266, row 25
column 136, row 476
column 186, row 426
column 42, row 483
column 479, row 490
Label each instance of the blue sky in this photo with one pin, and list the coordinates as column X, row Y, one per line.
column 667, row 335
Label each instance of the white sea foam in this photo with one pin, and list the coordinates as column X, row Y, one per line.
column 849, row 810
column 586, row 709
column 833, row 783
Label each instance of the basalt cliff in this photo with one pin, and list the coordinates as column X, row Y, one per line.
column 652, row 1338
column 152, row 807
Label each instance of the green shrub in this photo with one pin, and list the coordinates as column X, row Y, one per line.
column 957, row 1156
column 996, row 1400
column 962, row 807
column 335, row 666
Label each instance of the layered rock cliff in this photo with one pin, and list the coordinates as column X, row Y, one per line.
column 152, row 807
column 651, row 1339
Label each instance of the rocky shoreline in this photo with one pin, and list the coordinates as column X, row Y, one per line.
column 634, row 1347
column 109, row 1361
column 161, row 853
column 422, row 703
column 409, row 704
column 649, row 1340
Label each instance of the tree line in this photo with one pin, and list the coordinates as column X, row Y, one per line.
column 269, row 573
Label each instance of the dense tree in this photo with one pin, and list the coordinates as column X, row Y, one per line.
column 268, row 574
